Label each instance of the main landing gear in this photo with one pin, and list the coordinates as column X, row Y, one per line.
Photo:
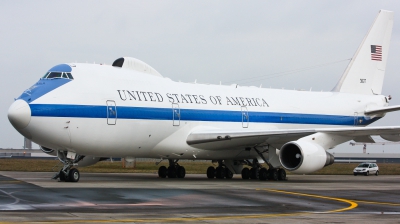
column 262, row 173
column 174, row 170
column 67, row 173
column 220, row 172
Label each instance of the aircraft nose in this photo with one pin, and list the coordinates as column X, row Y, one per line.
column 19, row 114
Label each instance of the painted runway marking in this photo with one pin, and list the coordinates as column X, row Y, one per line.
column 352, row 203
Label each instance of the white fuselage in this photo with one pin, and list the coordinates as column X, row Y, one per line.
column 109, row 111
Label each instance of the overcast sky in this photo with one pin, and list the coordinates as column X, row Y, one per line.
column 210, row 41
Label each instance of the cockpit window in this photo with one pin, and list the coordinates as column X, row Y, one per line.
column 58, row 75
column 47, row 73
column 54, row 75
column 69, row 75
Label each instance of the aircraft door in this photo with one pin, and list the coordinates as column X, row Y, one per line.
column 111, row 112
column 355, row 118
column 176, row 114
column 245, row 117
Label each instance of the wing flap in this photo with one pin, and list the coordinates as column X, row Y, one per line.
column 218, row 139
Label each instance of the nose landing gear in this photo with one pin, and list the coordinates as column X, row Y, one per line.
column 67, row 173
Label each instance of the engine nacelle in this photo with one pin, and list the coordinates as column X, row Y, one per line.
column 392, row 138
column 304, row 157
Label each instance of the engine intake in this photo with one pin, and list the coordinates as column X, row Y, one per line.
column 304, row 157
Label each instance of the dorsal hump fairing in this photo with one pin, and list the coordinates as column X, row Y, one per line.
column 366, row 70
column 135, row 64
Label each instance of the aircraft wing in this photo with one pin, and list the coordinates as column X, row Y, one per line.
column 221, row 139
column 382, row 110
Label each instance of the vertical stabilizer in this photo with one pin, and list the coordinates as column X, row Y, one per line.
column 366, row 70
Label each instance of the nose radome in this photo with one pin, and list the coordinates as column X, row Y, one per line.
column 19, row 114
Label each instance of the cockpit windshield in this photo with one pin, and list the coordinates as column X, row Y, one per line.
column 57, row 75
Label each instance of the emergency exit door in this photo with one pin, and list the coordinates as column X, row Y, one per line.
column 111, row 112
column 176, row 114
column 245, row 117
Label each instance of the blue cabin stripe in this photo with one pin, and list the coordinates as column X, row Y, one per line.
column 149, row 113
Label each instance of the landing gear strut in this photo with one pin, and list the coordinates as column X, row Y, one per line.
column 174, row 170
column 67, row 173
column 220, row 172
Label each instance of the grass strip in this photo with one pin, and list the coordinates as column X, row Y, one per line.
column 192, row 167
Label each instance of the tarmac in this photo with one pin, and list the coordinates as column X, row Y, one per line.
column 144, row 198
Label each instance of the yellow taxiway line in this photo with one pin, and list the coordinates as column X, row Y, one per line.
column 352, row 205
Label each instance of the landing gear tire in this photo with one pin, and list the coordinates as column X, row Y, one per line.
column 281, row 174
column 220, row 172
column 245, row 173
column 180, row 172
column 254, row 173
column 171, row 172
column 62, row 176
column 228, row 174
column 210, row 172
column 73, row 175
column 162, row 172
column 263, row 174
column 273, row 174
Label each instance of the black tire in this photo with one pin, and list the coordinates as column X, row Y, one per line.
column 263, row 174
column 273, row 174
column 228, row 173
column 281, row 174
column 220, row 173
column 62, row 176
column 180, row 172
column 171, row 172
column 210, row 172
column 254, row 173
column 367, row 173
column 355, row 174
column 73, row 175
column 377, row 173
column 162, row 172
column 245, row 173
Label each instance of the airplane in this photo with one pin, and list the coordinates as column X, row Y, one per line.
column 83, row 113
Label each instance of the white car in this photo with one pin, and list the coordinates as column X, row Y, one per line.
column 366, row 169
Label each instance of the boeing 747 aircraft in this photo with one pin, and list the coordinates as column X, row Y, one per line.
column 83, row 113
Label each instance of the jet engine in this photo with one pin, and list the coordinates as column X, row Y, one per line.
column 304, row 157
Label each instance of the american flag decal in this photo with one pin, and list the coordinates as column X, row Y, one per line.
column 376, row 52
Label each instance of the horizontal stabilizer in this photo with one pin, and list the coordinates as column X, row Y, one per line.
column 382, row 110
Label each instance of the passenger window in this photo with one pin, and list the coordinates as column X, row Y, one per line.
column 64, row 75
